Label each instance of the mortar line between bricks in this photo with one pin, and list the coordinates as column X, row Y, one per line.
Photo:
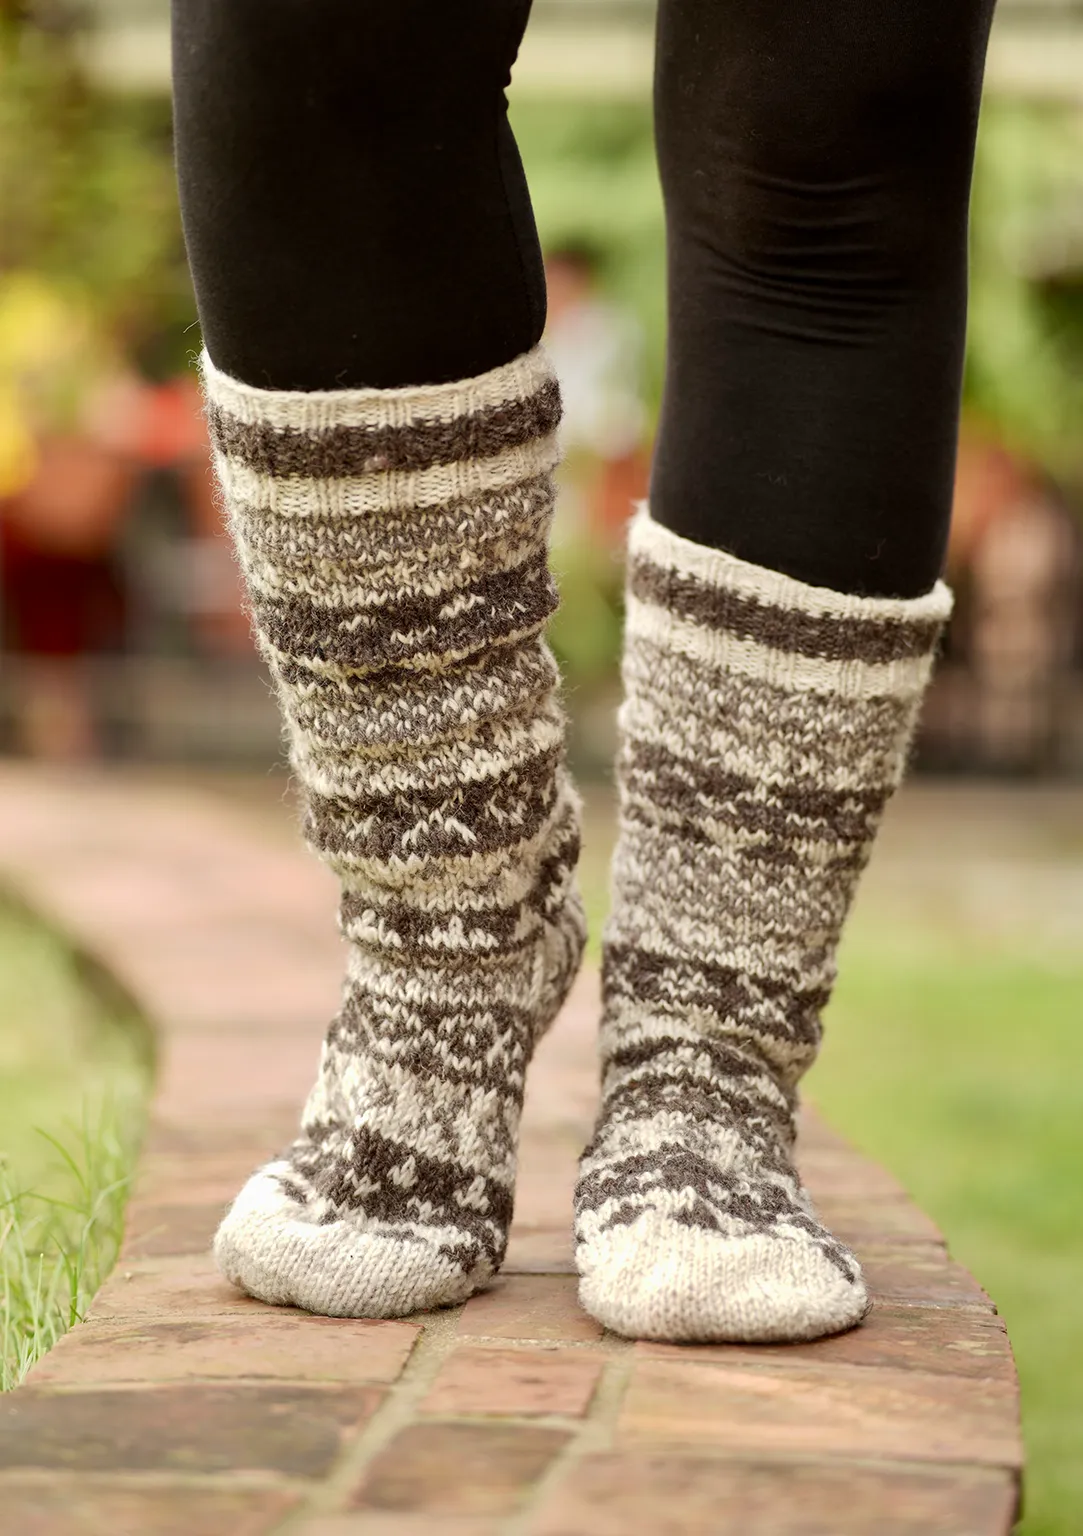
column 595, row 1434
column 527, row 1342
column 435, row 1342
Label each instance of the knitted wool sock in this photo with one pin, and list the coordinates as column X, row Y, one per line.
column 394, row 547
column 765, row 726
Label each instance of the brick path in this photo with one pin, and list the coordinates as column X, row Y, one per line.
column 180, row 1408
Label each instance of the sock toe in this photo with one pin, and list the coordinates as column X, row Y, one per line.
column 269, row 1246
column 657, row 1279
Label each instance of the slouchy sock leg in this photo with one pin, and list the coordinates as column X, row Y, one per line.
column 764, row 727
column 394, row 547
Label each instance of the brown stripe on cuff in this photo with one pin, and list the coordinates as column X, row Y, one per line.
column 342, row 451
column 781, row 629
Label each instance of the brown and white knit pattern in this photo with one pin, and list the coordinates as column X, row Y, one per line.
column 394, row 544
column 765, row 726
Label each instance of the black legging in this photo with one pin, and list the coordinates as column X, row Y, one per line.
column 356, row 214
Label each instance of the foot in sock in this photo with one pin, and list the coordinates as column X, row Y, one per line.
column 394, row 547
column 765, row 726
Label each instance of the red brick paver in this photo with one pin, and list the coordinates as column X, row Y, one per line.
column 514, row 1383
column 181, row 1407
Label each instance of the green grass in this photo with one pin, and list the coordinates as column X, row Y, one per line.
column 74, row 1071
column 959, row 1071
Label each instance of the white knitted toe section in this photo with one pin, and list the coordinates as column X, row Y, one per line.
column 269, row 1246
column 656, row 1279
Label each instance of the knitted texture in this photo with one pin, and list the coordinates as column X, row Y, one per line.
column 394, row 545
column 765, row 725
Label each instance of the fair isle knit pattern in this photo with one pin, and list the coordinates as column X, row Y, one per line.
column 765, row 725
column 394, row 545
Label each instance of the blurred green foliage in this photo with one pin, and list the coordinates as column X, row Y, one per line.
column 88, row 204
column 1025, row 359
column 87, row 194
column 585, row 632
column 594, row 186
column 593, row 182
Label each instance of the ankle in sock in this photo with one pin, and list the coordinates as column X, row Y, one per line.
column 765, row 725
column 394, row 546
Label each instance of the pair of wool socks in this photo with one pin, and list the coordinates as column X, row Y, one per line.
column 394, row 545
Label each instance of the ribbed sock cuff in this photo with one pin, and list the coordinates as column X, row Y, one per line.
column 759, row 622
column 375, row 452
column 519, row 392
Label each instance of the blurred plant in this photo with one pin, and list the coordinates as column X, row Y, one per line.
column 585, row 631
column 1024, row 376
column 594, row 184
column 87, row 196
column 51, row 353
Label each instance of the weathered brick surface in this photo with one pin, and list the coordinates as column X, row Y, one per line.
column 875, row 1220
column 458, row 1469
column 263, row 1343
column 167, row 1289
column 183, row 1407
column 171, row 1230
column 297, row 1431
column 539, row 1250
column 545, row 1184
column 212, row 1143
column 77, row 1507
column 530, row 1307
column 514, row 1382
column 191, row 1180
column 673, row 1494
column 919, row 1275
column 795, row 1410
column 400, row 1525
column 211, row 1076
column 840, row 1173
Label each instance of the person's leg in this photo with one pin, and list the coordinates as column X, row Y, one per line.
column 783, row 610
column 354, row 205
column 816, row 159
column 357, row 221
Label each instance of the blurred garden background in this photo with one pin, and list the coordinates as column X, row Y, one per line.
column 953, row 1049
